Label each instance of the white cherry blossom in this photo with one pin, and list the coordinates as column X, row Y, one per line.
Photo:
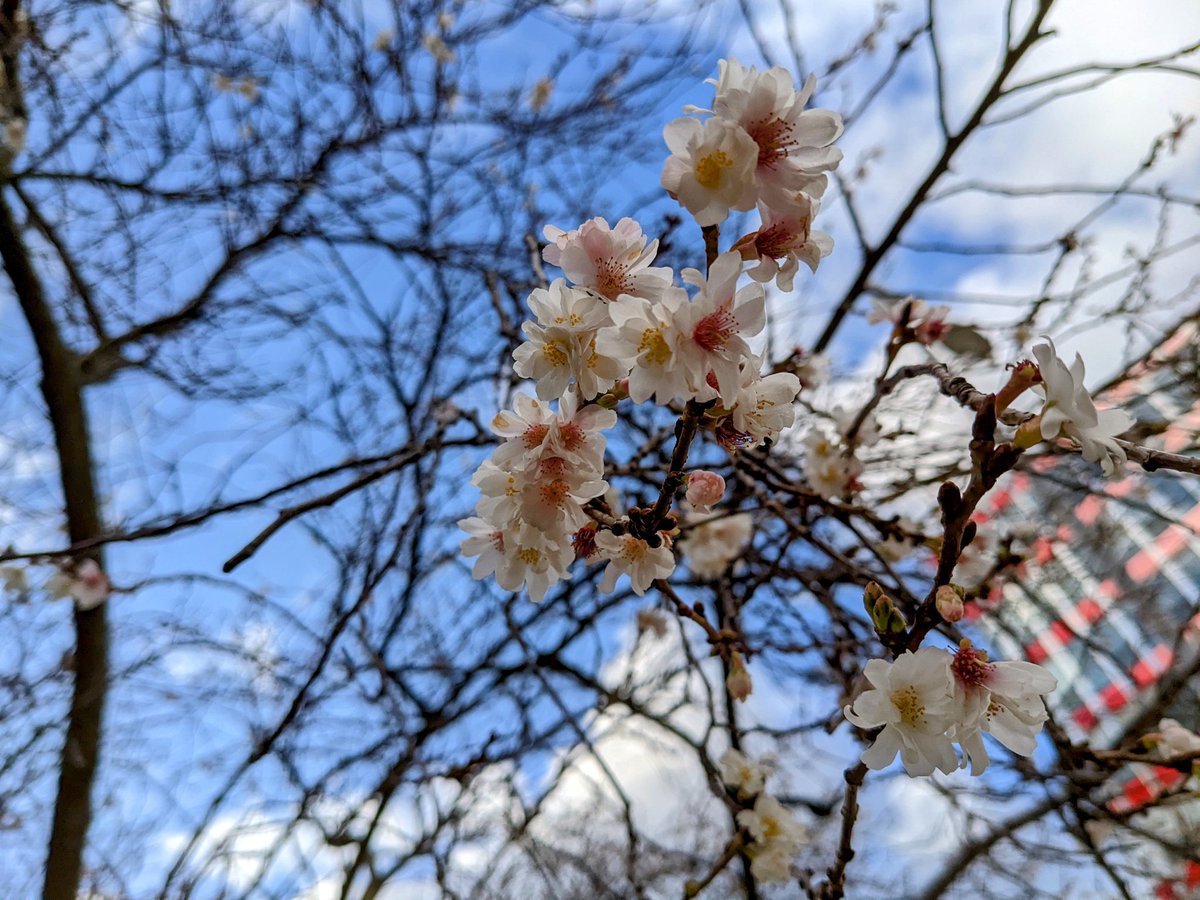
column 739, row 772
column 830, row 471
column 721, row 318
column 502, row 490
column 537, row 562
column 632, row 556
column 913, row 699
column 869, row 431
column 911, row 310
column 1001, row 698
column 577, row 431
column 561, row 344
column 784, row 240
column 525, row 428
column 518, row 555
column 793, row 143
column 1172, row 739
column 651, row 336
column 609, row 261
column 712, row 543
column 553, row 502
column 1069, row 410
column 711, row 168
column 764, row 407
column 777, row 836
column 85, row 582
column 811, row 368
column 484, row 541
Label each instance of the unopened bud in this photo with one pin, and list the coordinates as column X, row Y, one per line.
column 704, row 490
column 614, row 395
column 871, row 595
column 882, row 610
column 949, row 602
column 738, row 683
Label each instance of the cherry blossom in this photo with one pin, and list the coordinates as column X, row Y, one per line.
column 1172, row 739
column 913, row 699
column 1001, row 698
column 635, row 557
column 722, row 317
column 553, row 502
column 711, row 544
column 711, row 168
column 561, row 346
column 517, row 555
column 830, row 471
column 928, row 322
column 525, row 427
column 577, row 432
column 1069, row 410
column 89, row 586
column 793, row 143
column 739, row 772
column 784, row 240
column 486, row 542
column 764, row 407
column 811, row 368
column 652, row 336
column 608, row 261
column 777, row 836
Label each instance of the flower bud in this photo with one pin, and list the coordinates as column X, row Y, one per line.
column 882, row 610
column 949, row 602
column 704, row 490
column 738, row 683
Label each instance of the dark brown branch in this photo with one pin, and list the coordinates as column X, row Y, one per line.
column 872, row 260
column 68, row 418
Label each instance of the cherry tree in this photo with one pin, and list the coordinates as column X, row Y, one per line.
column 473, row 482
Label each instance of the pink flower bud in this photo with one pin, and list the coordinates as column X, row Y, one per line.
column 949, row 602
column 704, row 490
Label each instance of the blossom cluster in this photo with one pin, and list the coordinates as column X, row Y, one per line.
column 929, row 700
column 616, row 326
column 533, row 488
column 776, row 836
column 759, row 147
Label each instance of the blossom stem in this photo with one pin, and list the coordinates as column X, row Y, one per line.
column 834, row 887
column 712, row 235
column 685, row 433
column 693, row 888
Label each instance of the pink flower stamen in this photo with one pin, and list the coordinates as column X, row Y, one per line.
column 714, row 330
